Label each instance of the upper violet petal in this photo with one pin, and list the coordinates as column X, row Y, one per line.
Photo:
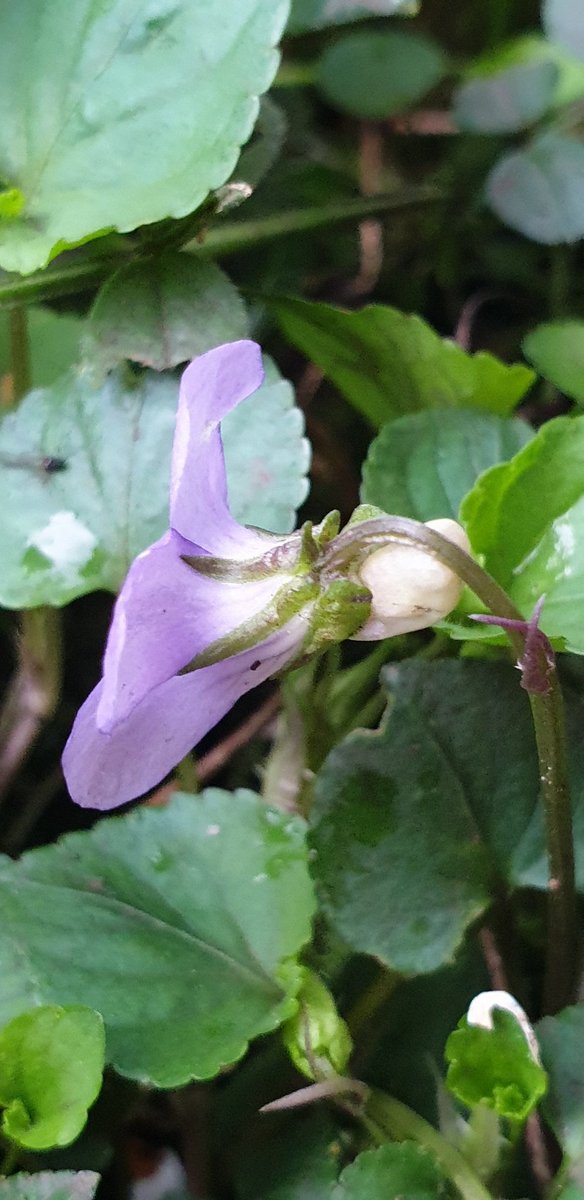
column 166, row 614
column 104, row 770
column 210, row 387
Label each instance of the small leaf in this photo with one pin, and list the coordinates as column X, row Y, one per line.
column 318, row 14
column 51, row 1064
column 389, row 1173
column 507, row 100
column 564, row 23
column 180, row 925
column 423, row 465
column 69, row 532
column 556, row 350
column 388, row 364
column 495, row 1067
column 526, row 517
column 136, row 121
column 539, row 190
column 161, row 312
column 373, row 74
column 50, row 1185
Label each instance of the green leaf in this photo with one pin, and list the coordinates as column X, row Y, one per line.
column 423, row 465
column 539, row 190
column 374, row 73
column 318, row 14
column 468, row 815
column 564, row 23
column 388, row 364
column 162, row 311
column 50, row 1185
column 177, row 924
column 561, row 1039
column 73, row 531
column 507, row 100
column 556, row 350
column 495, row 1067
column 51, row 1064
column 526, row 517
column 389, row 1173
column 136, row 121
column 381, row 813
column 54, row 341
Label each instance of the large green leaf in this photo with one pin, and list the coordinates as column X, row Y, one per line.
column 398, row 862
column 539, row 190
column 423, row 465
column 556, row 350
column 317, row 14
column 161, row 311
column 176, row 924
column 51, row 1064
column 526, row 517
column 374, row 73
column 69, row 532
column 50, row 1185
column 390, row 1173
column 139, row 111
column 564, row 23
column 388, row 364
column 413, row 824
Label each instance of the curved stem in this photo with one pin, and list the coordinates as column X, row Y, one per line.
column 390, row 1120
column 547, row 712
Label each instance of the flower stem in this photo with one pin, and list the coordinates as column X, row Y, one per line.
column 547, row 711
column 390, row 1120
column 19, row 352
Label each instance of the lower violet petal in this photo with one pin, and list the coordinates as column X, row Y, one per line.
column 104, row 770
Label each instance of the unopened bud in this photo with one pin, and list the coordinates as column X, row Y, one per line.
column 410, row 588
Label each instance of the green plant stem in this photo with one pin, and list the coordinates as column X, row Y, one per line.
column 19, row 352
column 389, row 1120
column 229, row 237
column 547, row 710
column 65, row 278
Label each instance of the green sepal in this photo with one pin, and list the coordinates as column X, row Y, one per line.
column 338, row 613
column 495, row 1067
column 365, row 512
column 285, row 605
column 316, row 1037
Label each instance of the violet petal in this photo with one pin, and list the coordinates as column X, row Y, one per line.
column 165, row 615
column 105, row 770
column 210, row 387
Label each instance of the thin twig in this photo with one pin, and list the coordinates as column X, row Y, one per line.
column 214, row 761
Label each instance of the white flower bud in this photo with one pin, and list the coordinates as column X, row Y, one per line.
column 410, row 588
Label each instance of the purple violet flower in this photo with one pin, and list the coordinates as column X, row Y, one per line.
column 145, row 716
column 214, row 608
